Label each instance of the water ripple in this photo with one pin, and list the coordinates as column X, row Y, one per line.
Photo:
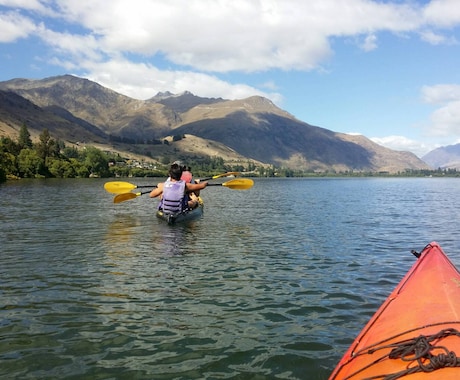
column 261, row 287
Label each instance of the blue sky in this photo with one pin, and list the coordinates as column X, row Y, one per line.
column 386, row 69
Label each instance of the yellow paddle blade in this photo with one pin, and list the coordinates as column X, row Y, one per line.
column 119, row 187
column 125, row 197
column 239, row 184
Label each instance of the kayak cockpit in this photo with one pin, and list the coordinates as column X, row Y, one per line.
column 189, row 214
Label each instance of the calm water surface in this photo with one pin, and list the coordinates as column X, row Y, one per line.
column 271, row 283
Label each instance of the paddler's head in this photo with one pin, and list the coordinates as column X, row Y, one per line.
column 175, row 172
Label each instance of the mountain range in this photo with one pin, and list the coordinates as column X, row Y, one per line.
column 445, row 157
column 79, row 111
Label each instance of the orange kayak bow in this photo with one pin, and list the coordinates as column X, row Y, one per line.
column 415, row 334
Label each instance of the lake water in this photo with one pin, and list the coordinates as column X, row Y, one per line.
column 271, row 283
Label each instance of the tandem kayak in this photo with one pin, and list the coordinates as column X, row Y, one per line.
column 415, row 334
column 182, row 216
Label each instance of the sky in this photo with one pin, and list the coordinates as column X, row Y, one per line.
column 387, row 69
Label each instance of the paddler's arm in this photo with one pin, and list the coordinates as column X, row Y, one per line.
column 157, row 191
column 192, row 187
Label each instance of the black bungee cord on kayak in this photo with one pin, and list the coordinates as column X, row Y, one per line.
column 418, row 254
column 419, row 350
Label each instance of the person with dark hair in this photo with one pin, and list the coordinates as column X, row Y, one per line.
column 174, row 192
column 187, row 175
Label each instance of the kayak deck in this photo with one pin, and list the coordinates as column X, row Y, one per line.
column 415, row 334
column 183, row 216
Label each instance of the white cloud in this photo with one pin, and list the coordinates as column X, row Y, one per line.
column 240, row 35
column 370, row 43
column 24, row 4
column 445, row 120
column 146, row 46
column 72, row 47
column 437, row 39
column 142, row 81
column 270, row 85
column 402, row 143
column 442, row 13
column 14, row 26
column 440, row 93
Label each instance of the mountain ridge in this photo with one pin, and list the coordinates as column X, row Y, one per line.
column 253, row 128
column 445, row 157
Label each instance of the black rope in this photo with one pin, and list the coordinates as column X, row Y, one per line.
column 420, row 350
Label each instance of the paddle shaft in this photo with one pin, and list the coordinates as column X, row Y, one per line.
column 220, row 176
column 236, row 184
column 119, row 187
column 204, row 179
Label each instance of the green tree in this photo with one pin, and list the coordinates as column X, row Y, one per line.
column 24, row 140
column 70, row 152
column 8, row 163
column 9, row 145
column 46, row 147
column 96, row 162
column 30, row 164
column 80, row 168
column 61, row 168
column 9, row 151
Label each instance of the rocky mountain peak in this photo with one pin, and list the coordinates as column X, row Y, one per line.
column 77, row 109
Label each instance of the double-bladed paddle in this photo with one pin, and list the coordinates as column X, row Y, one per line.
column 234, row 184
column 119, row 187
column 228, row 174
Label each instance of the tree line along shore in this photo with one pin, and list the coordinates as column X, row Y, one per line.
column 51, row 158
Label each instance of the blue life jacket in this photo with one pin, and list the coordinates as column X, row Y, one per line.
column 174, row 200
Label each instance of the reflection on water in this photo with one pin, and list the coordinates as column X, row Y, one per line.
column 121, row 231
column 274, row 282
